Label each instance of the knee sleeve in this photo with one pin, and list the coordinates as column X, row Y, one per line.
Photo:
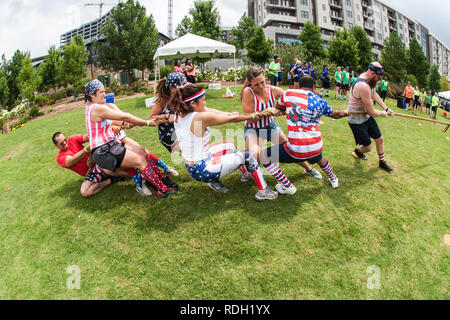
column 250, row 161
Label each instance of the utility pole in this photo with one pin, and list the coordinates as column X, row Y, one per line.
column 170, row 22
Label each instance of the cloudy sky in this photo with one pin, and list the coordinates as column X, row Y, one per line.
column 35, row 25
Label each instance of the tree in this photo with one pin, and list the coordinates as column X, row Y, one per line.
column 184, row 27
column 28, row 80
column 132, row 39
column 394, row 58
column 444, row 84
column 435, row 79
column 343, row 49
column 259, row 49
column 205, row 19
column 48, row 70
column 417, row 63
column 312, row 42
column 244, row 30
column 11, row 69
column 4, row 90
column 72, row 67
column 364, row 48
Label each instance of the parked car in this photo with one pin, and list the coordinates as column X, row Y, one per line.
column 445, row 104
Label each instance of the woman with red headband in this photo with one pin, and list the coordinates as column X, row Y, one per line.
column 205, row 162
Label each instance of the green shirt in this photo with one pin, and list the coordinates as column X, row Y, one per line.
column 346, row 77
column 274, row 66
column 428, row 99
column 376, row 88
column 416, row 93
column 353, row 79
column 434, row 101
column 338, row 76
column 384, row 85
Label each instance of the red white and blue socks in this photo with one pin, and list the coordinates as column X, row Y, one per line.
column 275, row 170
column 329, row 171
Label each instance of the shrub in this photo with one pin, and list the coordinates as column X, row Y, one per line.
column 142, row 90
column 34, row 112
column 44, row 101
column 148, row 91
column 165, row 71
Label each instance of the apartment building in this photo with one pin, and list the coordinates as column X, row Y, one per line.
column 89, row 31
column 283, row 21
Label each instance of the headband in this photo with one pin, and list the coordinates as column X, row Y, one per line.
column 196, row 96
column 92, row 87
column 379, row 71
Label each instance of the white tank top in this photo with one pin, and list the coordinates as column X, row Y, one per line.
column 193, row 148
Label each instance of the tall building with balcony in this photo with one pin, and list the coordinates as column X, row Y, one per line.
column 283, row 21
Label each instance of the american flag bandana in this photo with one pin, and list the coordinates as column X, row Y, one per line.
column 176, row 80
column 92, row 87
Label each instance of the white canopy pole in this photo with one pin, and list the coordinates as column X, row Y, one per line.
column 235, row 81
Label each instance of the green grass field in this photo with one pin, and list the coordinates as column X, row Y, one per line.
column 198, row 244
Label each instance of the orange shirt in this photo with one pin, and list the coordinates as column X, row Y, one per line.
column 409, row 91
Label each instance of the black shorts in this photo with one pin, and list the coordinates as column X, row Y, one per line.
column 109, row 156
column 296, row 79
column 345, row 86
column 338, row 85
column 434, row 109
column 407, row 100
column 326, row 85
column 428, row 106
column 278, row 153
column 364, row 131
column 167, row 136
column 191, row 79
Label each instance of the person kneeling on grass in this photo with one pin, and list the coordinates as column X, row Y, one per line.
column 74, row 156
column 206, row 163
column 304, row 110
column 110, row 153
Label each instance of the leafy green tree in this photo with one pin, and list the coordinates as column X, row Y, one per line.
column 343, row 49
column 132, row 39
column 259, row 49
column 28, row 80
column 312, row 42
column 435, row 79
column 364, row 48
column 205, row 19
column 4, row 90
column 394, row 58
column 184, row 27
column 417, row 63
column 11, row 69
column 48, row 70
column 444, row 84
column 244, row 30
column 72, row 66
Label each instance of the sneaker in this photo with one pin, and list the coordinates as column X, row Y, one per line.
column 218, row 186
column 171, row 171
column 283, row 190
column 170, row 184
column 267, row 194
column 385, row 166
column 144, row 191
column 358, row 155
column 161, row 195
column 334, row 183
column 314, row 174
column 246, row 177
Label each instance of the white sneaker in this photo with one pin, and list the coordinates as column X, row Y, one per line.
column 144, row 191
column 283, row 190
column 334, row 183
column 246, row 177
column 314, row 174
column 171, row 171
column 267, row 194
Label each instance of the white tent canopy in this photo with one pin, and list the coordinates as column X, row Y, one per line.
column 445, row 95
column 192, row 46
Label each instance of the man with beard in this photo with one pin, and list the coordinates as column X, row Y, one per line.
column 364, row 126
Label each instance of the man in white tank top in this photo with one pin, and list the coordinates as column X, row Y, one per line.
column 364, row 126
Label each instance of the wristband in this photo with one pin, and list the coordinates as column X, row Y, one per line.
column 86, row 150
column 123, row 123
column 253, row 116
column 148, row 123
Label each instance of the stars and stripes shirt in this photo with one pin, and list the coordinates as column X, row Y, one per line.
column 99, row 133
column 260, row 106
column 304, row 110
